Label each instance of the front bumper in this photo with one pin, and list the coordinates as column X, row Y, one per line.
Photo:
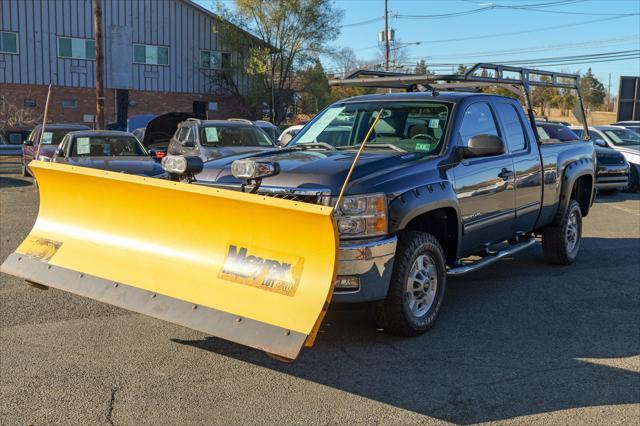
column 612, row 176
column 370, row 265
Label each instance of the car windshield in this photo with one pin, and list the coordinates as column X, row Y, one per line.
column 106, row 146
column 403, row 126
column 621, row 137
column 53, row 137
column 234, row 136
column 556, row 131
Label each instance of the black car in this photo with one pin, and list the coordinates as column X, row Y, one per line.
column 107, row 150
column 612, row 170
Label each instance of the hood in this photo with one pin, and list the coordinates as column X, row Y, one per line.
column 313, row 169
column 144, row 166
column 160, row 130
column 631, row 149
column 216, row 153
column 48, row 150
column 602, row 151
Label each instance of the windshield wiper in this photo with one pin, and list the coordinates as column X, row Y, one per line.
column 373, row 146
column 314, row 144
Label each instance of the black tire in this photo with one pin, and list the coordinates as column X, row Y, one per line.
column 394, row 314
column 557, row 244
column 634, row 179
column 25, row 172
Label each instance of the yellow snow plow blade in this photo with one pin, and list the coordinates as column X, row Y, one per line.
column 251, row 269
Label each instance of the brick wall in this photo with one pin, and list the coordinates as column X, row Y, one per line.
column 13, row 96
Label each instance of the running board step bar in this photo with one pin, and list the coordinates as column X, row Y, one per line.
column 488, row 260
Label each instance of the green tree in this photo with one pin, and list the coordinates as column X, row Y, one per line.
column 292, row 34
column 593, row 91
column 421, row 68
column 462, row 69
column 316, row 88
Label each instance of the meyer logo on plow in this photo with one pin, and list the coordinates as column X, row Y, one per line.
column 263, row 272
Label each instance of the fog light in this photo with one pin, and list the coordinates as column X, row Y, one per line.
column 347, row 282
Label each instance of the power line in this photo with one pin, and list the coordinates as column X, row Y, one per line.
column 533, row 30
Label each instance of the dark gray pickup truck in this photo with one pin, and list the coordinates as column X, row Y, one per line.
column 448, row 182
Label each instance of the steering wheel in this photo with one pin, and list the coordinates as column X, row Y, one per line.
column 424, row 136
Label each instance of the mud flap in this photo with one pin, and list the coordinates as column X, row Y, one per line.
column 255, row 270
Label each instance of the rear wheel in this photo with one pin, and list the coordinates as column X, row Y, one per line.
column 25, row 172
column 417, row 286
column 561, row 243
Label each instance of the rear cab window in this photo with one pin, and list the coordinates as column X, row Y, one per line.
column 512, row 124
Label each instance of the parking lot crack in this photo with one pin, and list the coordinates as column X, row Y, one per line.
column 112, row 402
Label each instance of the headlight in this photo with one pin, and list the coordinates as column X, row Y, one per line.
column 252, row 169
column 361, row 216
column 44, row 158
column 179, row 165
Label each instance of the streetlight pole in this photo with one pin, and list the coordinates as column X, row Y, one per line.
column 386, row 36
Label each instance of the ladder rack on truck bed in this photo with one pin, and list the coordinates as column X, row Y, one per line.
column 514, row 79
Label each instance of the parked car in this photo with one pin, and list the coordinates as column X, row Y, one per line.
column 288, row 134
column 612, row 170
column 159, row 131
column 53, row 135
column 269, row 128
column 212, row 139
column 107, row 150
column 139, row 133
column 445, row 176
column 623, row 140
column 631, row 125
column 11, row 140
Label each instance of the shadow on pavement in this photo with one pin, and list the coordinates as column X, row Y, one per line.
column 617, row 197
column 9, row 182
column 511, row 341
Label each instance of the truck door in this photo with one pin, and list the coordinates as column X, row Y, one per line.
column 484, row 185
column 526, row 165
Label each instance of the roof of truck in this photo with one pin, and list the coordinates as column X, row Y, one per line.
column 413, row 96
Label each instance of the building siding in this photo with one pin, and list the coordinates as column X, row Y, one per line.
column 185, row 29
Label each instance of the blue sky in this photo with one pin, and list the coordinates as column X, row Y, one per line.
column 563, row 36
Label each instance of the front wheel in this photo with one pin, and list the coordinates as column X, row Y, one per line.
column 417, row 286
column 561, row 243
column 25, row 171
column 634, row 179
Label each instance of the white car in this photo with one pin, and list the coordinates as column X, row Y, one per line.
column 623, row 140
column 288, row 134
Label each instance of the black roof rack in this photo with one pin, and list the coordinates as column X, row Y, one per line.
column 515, row 79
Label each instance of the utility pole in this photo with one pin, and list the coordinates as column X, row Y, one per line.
column 97, row 26
column 609, row 93
column 386, row 36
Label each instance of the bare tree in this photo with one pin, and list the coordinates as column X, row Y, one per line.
column 346, row 61
column 398, row 55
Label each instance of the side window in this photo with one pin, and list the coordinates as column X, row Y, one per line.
column 63, row 144
column 478, row 120
column 512, row 126
column 181, row 133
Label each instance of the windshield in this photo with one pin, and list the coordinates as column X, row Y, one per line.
column 622, row 137
column 53, row 137
column 403, row 126
column 234, row 136
column 106, row 146
column 554, row 131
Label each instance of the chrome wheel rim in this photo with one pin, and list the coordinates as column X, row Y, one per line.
column 422, row 285
column 571, row 234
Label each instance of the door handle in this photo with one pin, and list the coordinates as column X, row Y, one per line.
column 505, row 174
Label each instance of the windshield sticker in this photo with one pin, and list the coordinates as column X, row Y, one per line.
column 211, row 133
column 433, row 123
column 261, row 268
column 83, row 146
column 47, row 137
column 423, row 147
column 322, row 123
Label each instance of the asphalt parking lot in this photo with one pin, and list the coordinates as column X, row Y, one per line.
column 521, row 341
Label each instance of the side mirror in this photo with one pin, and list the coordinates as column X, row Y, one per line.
column 27, row 143
column 59, row 152
column 482, row 146
column 189, row 144
column 600, row 142
column 285, row 139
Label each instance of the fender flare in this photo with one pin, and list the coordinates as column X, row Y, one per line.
column 573, row 171
column 423, row 199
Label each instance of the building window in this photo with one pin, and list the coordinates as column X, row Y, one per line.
column 29, row 103
column 215, row 60
column 8, row 42
column 69, row 103
column 150, row 55
column 76, row 48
